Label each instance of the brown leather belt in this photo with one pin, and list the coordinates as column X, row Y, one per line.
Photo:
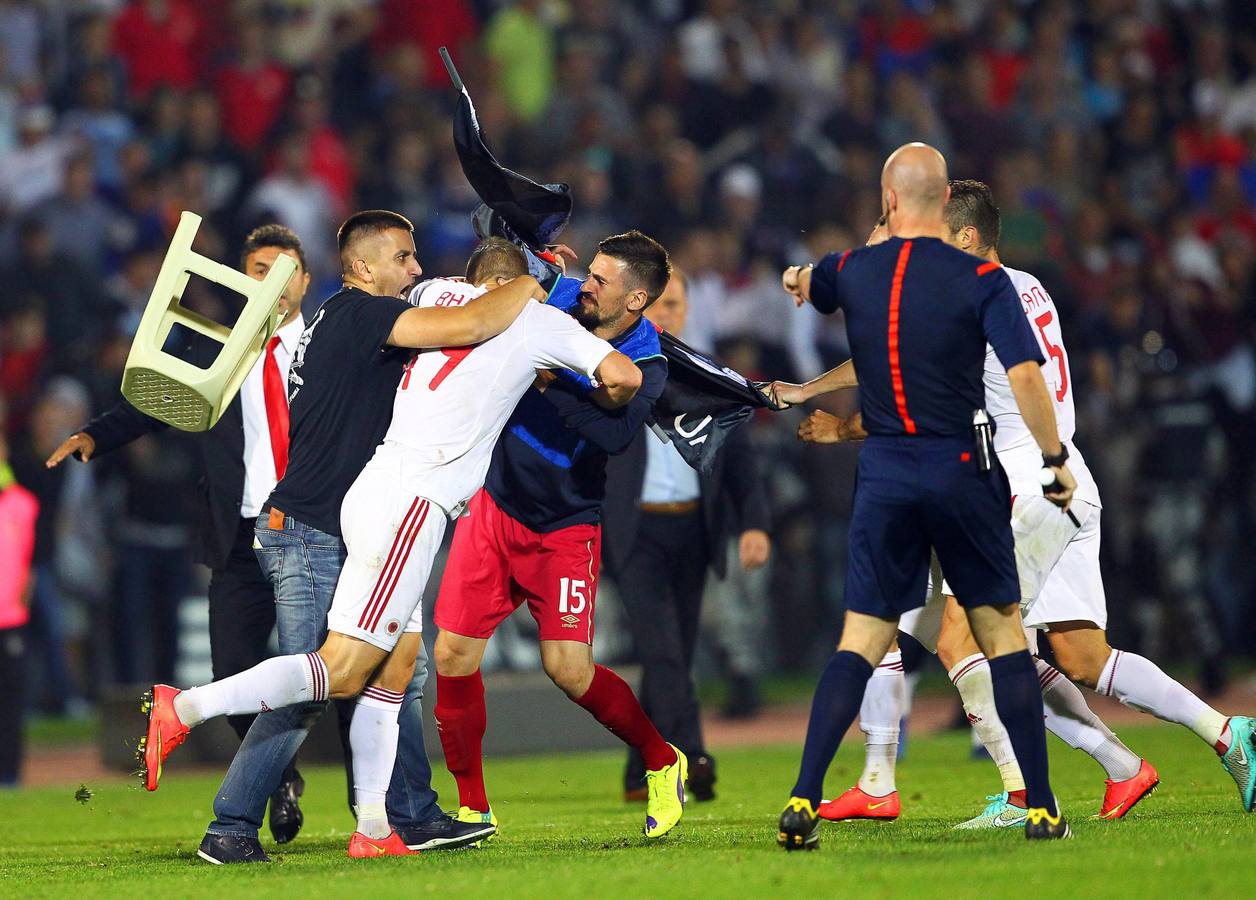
column 681, row 508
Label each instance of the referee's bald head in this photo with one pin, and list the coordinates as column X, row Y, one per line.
column 914, row 181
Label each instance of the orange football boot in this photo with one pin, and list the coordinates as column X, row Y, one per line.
column 1121, row 796
column 855, row 804
column 165, row 732
column 363, row 847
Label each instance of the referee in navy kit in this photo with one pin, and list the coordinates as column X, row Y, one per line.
column 919, row 315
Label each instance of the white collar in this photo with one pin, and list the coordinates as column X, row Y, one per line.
column 289, row 334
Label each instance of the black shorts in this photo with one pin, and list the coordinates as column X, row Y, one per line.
column 914, row 494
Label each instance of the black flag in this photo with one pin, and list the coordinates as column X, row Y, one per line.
column 523, row 210
column 702, row 402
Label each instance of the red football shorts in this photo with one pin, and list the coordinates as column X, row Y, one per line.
column 495, row 564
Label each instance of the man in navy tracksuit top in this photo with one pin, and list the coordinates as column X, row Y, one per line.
column 919, row 315
column 533, row 534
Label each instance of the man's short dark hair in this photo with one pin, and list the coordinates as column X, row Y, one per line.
column 273, row 235
column 972, row 204
column 366, row 224
column 645, row 261
column 495, row 257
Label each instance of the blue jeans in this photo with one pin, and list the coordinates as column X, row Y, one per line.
column 303, row 565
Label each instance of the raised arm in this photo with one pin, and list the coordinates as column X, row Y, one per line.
column 461, row 326
column 816, row 284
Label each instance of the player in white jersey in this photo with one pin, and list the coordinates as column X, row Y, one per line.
column 1061, row 587
column 450, row 407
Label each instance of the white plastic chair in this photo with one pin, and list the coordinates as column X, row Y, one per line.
column 177, row 392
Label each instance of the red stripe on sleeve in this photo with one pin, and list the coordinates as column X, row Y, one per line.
column 987, row 268
column 896, row 370
column 842, row 261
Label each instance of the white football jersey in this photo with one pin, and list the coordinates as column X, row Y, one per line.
column 1013, row 442
column 452, row 403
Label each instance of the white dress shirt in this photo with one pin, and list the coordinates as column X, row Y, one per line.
column 668, row 478
column 259, row 459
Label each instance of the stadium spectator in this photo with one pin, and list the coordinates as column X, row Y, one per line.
column 252, row 89
column 293, row 195
column 520, row 44
column 160, row 41
column 78, row 221
column 32, row 171
column 104, row 127
column 68, row 559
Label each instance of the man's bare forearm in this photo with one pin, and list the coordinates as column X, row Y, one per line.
column 840, row 378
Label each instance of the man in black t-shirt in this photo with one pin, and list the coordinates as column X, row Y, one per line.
column 341, row 385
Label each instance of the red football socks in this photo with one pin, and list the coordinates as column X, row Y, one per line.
column 611, row 702
column 461, row 720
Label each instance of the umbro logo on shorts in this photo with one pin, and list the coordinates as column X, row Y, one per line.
column 570, row 621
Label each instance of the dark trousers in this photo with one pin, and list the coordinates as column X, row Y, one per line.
column 661, row 588
column 241, row 615
column 13, row 677
column 153, row 582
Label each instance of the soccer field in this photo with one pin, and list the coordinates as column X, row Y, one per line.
column 565, row 834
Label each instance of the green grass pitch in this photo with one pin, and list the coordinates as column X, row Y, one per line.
column 565, row 834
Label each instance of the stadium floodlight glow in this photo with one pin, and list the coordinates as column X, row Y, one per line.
column 177, row 392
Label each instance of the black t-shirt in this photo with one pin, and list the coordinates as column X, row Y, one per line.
column 340, row 397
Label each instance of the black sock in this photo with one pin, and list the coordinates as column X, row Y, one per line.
column 1018, row 699
column 834, row 707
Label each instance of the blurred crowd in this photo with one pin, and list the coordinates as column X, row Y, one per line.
column 1119, row 137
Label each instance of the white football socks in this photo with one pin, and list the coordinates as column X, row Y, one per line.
column 1142, row 685
column 271, row 684
column 1071, row 720
column 971, row 677
column 373, row 737
column 879, row 718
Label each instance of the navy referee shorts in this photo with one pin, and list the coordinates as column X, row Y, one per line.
column 914, row 494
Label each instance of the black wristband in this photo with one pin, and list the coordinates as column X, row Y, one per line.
column 1058, row 460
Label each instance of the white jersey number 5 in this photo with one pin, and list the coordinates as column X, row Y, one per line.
column 1055, row 351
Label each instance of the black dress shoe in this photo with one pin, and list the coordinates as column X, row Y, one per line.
column 221, row 849
column 444, row 832
column 285, row 810
column 701, row 784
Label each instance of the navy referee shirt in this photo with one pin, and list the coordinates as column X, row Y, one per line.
column 919, row 314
